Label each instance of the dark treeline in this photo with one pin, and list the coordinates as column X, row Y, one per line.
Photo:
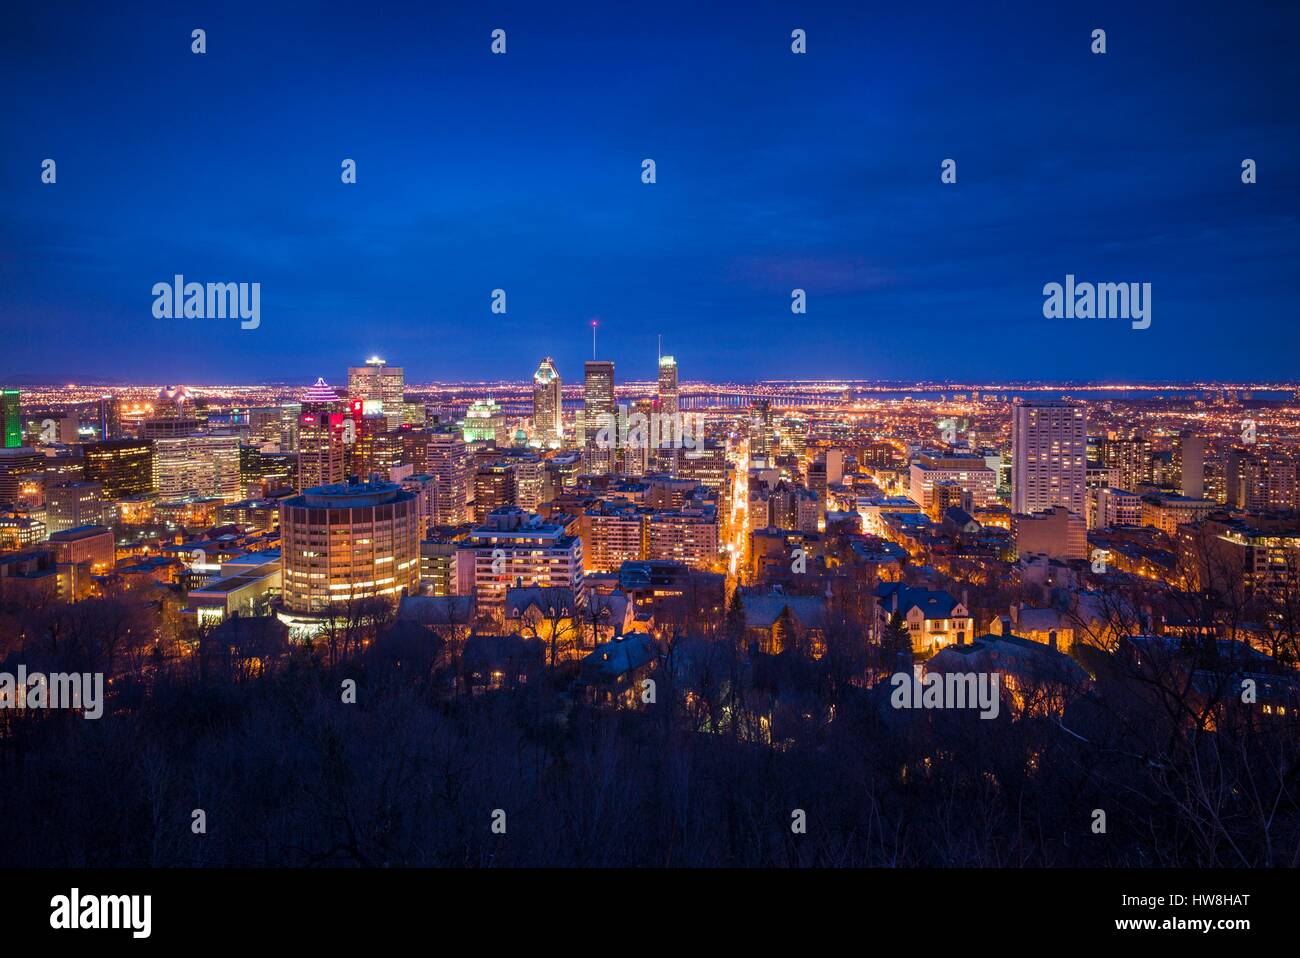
column 287, row 774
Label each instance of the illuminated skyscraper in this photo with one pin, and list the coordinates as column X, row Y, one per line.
column 668, row 396
column 666, row 459
column 548, row 407
column 447, row 460
column 598, row 415
column 484, row 422
column 199, row 465
column 1049, row 457
column 109, row 426
column 124, row 467
column 320, row 437
column 19, row 467
column 10, row 414
column 761, row 433
column 380, row 383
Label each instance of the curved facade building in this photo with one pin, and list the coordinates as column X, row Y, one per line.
column 349, row 540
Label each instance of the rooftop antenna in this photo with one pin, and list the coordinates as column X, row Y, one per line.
column 593, row 339
column 660, row 357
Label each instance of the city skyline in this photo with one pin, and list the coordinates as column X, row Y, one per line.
column 766, row 437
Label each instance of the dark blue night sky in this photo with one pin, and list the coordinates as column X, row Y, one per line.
column 774, row 171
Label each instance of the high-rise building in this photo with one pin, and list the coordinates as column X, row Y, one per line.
column 1262, row 481
column 1189, row 464
column 706, row 465
column 124, row 467
column 69, row 505
column 688, row 535
column 348, row 541
column 1131, row 456
column 612, row 534
column 18, row 467
column 448, row 462
column 321, row 437
column 517, row 548
column 364, row 450
column 485, row 422
column 668, row 394
column 494, row 487
column 548, row 405
column 599, row 415
column 199, row 466
column 289, row 413
column 11, row 418
column 761, row 432
column 668, row 405
column 264, row 427
column 377, row 382
column 1048, row 450
column 109, row 424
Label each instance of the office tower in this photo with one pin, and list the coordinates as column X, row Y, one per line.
column 11, row 415
column 377, row 382
column 668, row 404
column 494, row 487
column 760, row 429
column 485, row 422
column 530, row 482
column 366, row 453
column 517, row 548
column 1048, row 441
column 169, row 427
column 1132, row 457
column 321, row 436
column 69, row 505
column 200, row 466
column 109, row 425
column 289, row 413
column 264, row 427
column 124, row 467
column 448, row 462
column 668, row 392
column 346, row 541
column 1189, row 464
column 19, row 467
column 707, row 465
column 548, row 405
column 638, row 456
column 599, row 416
